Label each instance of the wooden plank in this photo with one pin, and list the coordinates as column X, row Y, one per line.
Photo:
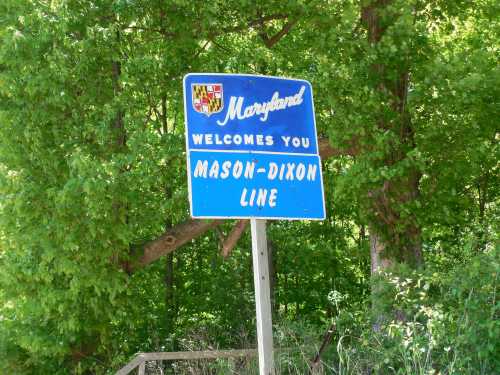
column 131, row 365
column 262, row 296
column 172, row 356
column 142, row 368
column 208, row 354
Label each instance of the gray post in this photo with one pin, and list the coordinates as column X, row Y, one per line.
column 142, row 368
column 262, row 296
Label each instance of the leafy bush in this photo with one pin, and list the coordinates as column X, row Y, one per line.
column 436, row 323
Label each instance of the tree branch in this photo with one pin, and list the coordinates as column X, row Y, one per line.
column 252, row 23
column 172, row 239
column 270, row 42
column 327, row 151
column 233, row 237
column 221, row 31
column 327, row 339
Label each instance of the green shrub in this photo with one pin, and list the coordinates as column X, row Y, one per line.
column 427, row 323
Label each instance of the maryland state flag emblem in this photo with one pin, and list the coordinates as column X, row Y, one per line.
column 207, row 98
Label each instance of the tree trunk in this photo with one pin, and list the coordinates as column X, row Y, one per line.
column 481, row 231
column 393, row 237
column 379, row 261
column 170, row 305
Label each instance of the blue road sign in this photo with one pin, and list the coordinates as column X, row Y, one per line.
column 252, row 150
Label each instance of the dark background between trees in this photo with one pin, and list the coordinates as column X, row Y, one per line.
column 98, row 256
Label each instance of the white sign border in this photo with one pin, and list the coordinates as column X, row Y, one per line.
column 188, row 151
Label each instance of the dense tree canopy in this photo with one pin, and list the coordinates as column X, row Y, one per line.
column 93, row 191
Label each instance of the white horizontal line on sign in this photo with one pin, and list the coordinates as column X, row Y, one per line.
column 260, row 217
column 253, row 152
column 249, row 75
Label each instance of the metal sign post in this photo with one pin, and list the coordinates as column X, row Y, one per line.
column 252, row 153
column 262, row 296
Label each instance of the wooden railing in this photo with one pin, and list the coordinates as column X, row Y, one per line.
column 140, row 360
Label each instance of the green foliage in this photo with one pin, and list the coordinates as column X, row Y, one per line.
column 92, row 166
column 441, row 322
